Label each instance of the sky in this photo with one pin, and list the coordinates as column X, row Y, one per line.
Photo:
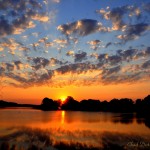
column 84, row 49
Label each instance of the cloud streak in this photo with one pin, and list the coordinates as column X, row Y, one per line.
column 82, row 27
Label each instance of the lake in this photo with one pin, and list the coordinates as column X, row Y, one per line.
column 74, row 125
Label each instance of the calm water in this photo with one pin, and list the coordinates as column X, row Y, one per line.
column 73, row 121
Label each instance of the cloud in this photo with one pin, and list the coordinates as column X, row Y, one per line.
column 128, row 19
column 123, row 78
column 80, row 56
column 16, row 16
column 44, row 63
column 147, row 51
column 122, row 56
column 18, row 64
column 117, row 15
column 146, row 64
column 39, row 62
column 1, row 49
column 94, row 44
column 103, row 58
column 43, row 40
column 60, row 41
column 70, row 53
column 108, row 44
column 82, row 27
column 41, row 18
column 114, row 59
column 133, row 32
column 56, row 1
column 146, row 7
column 49, row 44
column 94, row 55
column 10, row 44
column 25, row 82
column 110, row 71
column 45, row 77
column 76, row 68
column 2, row 69
column 9, row 67
column 128, row 55
column 122, row 66
column 54, row 61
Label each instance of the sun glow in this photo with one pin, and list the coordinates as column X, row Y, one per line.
column 63, row 98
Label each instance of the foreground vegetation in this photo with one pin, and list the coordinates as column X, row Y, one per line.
column 36, row 139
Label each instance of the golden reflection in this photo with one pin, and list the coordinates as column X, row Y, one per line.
column 62, row 117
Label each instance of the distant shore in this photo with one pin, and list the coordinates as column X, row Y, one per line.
column 124, row 105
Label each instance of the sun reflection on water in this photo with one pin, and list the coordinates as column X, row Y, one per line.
column 62, row 117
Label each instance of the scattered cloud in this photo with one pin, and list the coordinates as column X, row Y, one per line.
column 108, row 44
column 146, row 65
column 17, row 16
column 39, row 62
column 106, row 69
column 133, row 32
column 80, row 56
column 116, row 15
column 70, row 53
column 95, row 44
column 122, row 19
column 82, row 27
column 32, row 54
column 110, row 71
column 60, row 41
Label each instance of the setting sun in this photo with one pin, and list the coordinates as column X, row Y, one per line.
column 63, row 98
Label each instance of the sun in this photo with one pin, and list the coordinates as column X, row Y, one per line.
column 63, row 98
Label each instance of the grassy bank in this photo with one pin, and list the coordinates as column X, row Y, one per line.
column 37, row 139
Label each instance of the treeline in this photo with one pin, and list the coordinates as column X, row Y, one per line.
column 141, row 106
column 4, row 104
column 115, row 105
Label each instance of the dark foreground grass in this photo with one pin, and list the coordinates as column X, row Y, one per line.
column 36, row 139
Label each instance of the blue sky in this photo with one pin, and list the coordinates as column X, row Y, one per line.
column 98, row 42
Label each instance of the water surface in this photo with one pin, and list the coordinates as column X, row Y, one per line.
column 73, row 120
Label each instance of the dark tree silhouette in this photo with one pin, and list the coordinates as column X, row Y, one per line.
column 138, row 105
column 114, row 105
column 90, row 105
column 49, row 104
column 126, row 105
column 104, row 106
column 7, row 104
column 70, row 104
column 142, row 107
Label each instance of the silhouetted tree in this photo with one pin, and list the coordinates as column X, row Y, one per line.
column 70, row 104
column 142, row 107
column 114, row 105
column 126, row 105
column 138, row 105
column 122, row 105
column 49, row 104
column 7, row 104
column 104, row 106
column 90, row 105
